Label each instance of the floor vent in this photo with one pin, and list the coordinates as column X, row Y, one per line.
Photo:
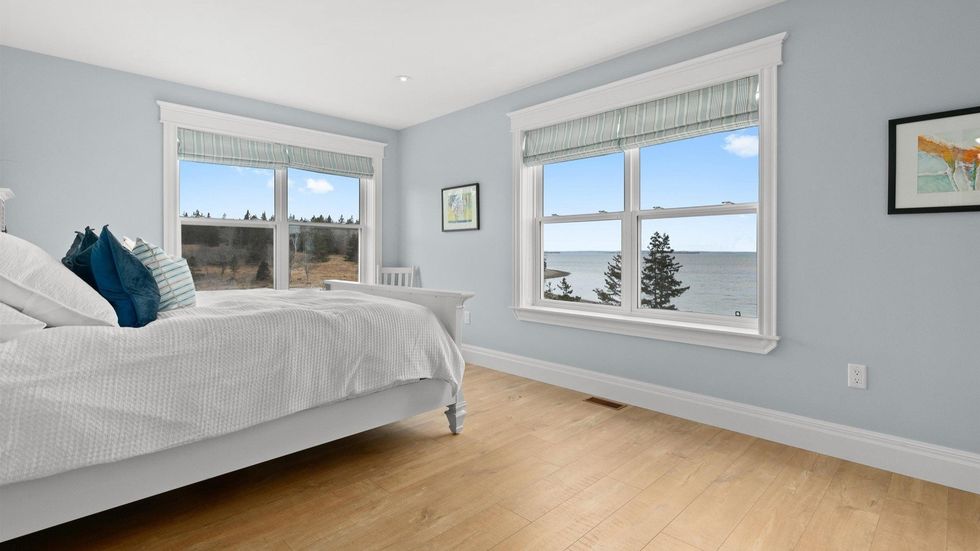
column 604, row 403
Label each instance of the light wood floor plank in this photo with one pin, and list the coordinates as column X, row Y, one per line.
column 909, row 526
column 715, row 513
column 562, row 526
column 963, row 524
column 539, row 468
column 642, row 518
column 663, row 542
column 779, row 517
column 481, row 531
column 847, row 515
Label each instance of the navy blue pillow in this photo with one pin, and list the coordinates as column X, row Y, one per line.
column 78, row 257
column 124, row 281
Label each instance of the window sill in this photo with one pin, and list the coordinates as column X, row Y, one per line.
column 744, row 340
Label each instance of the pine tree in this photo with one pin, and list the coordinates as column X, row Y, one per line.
column 233, row 265
column 248, row 215
column 323, row 246
column 263, row 273
column 565, row 292
column 613, row 285
column 658, row 279
column 263, row 216
column 549, row 290
column 352, row 249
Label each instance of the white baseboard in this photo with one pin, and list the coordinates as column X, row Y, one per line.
column 939, row 464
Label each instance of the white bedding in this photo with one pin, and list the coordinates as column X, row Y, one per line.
column 77, row 396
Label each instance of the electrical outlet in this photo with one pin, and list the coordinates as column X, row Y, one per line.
column 857, row 376
column 466, row 317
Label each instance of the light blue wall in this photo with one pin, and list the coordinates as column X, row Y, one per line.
column 899, row 293
column 82, row 145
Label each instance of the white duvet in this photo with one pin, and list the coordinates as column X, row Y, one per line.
column 77, row 396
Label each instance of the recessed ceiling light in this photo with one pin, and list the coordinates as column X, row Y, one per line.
column 403, row 78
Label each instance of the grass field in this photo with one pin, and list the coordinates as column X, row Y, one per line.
column 211, row 277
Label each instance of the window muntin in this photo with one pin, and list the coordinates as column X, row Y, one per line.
column 583, row 186
column 705, row 170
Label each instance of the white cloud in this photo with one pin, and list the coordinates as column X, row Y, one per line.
column 270, row 183
column 742, row 146
column 318, row 186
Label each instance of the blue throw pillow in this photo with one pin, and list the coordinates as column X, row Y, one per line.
column 124, row 281
column 78, row 259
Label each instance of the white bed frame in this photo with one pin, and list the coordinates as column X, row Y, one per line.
column 33, row 505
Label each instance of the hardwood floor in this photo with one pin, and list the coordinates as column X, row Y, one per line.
column 538, row 468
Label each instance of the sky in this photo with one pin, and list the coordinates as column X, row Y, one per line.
column 231, row 190
column 701, row 171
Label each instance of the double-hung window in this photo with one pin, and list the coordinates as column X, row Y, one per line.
column 251, row 204
column 647, row 207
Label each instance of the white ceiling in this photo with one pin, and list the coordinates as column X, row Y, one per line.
column 341, row 57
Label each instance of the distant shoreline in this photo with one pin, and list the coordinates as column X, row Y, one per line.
column 553, row 274
column 675, row 252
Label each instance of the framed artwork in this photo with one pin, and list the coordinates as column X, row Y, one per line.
column 934, row 162
column 461, row 208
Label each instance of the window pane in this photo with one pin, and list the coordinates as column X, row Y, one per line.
column 707, row 170
column 577, row 258
column 704, row 264
column 316, row 254
column 318, row 197
column 223, row 191
column 222, row 257
column 584, row 186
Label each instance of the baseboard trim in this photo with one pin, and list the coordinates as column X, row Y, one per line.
column 939, row 464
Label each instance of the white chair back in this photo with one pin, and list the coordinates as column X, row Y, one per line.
column 397, row 276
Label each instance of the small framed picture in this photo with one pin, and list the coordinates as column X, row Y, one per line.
column 934, row 162
column 461, row 208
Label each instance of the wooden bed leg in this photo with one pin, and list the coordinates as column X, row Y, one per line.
column 456, row 413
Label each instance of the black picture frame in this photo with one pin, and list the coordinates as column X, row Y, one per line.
column 476, row 210
column 893, row 125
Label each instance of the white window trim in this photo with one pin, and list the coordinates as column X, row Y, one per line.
column 174, row 116
column 760, row 57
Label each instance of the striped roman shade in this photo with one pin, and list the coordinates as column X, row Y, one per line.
column 208, row 147
column 727, row 106
column 330, row 161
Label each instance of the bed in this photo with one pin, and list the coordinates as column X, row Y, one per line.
column 211, row 389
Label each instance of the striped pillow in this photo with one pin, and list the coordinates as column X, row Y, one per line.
column 172, row 274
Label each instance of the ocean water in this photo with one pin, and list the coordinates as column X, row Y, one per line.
column 721, row 282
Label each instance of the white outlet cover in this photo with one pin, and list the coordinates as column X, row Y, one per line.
column 857, row 376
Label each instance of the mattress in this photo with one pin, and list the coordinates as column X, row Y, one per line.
column 77, row 396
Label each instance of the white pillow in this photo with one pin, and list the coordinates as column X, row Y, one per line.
column 14, row 324
column 33, row 282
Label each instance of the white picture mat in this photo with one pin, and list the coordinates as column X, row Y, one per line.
column 906, row 164
column 446, row 207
